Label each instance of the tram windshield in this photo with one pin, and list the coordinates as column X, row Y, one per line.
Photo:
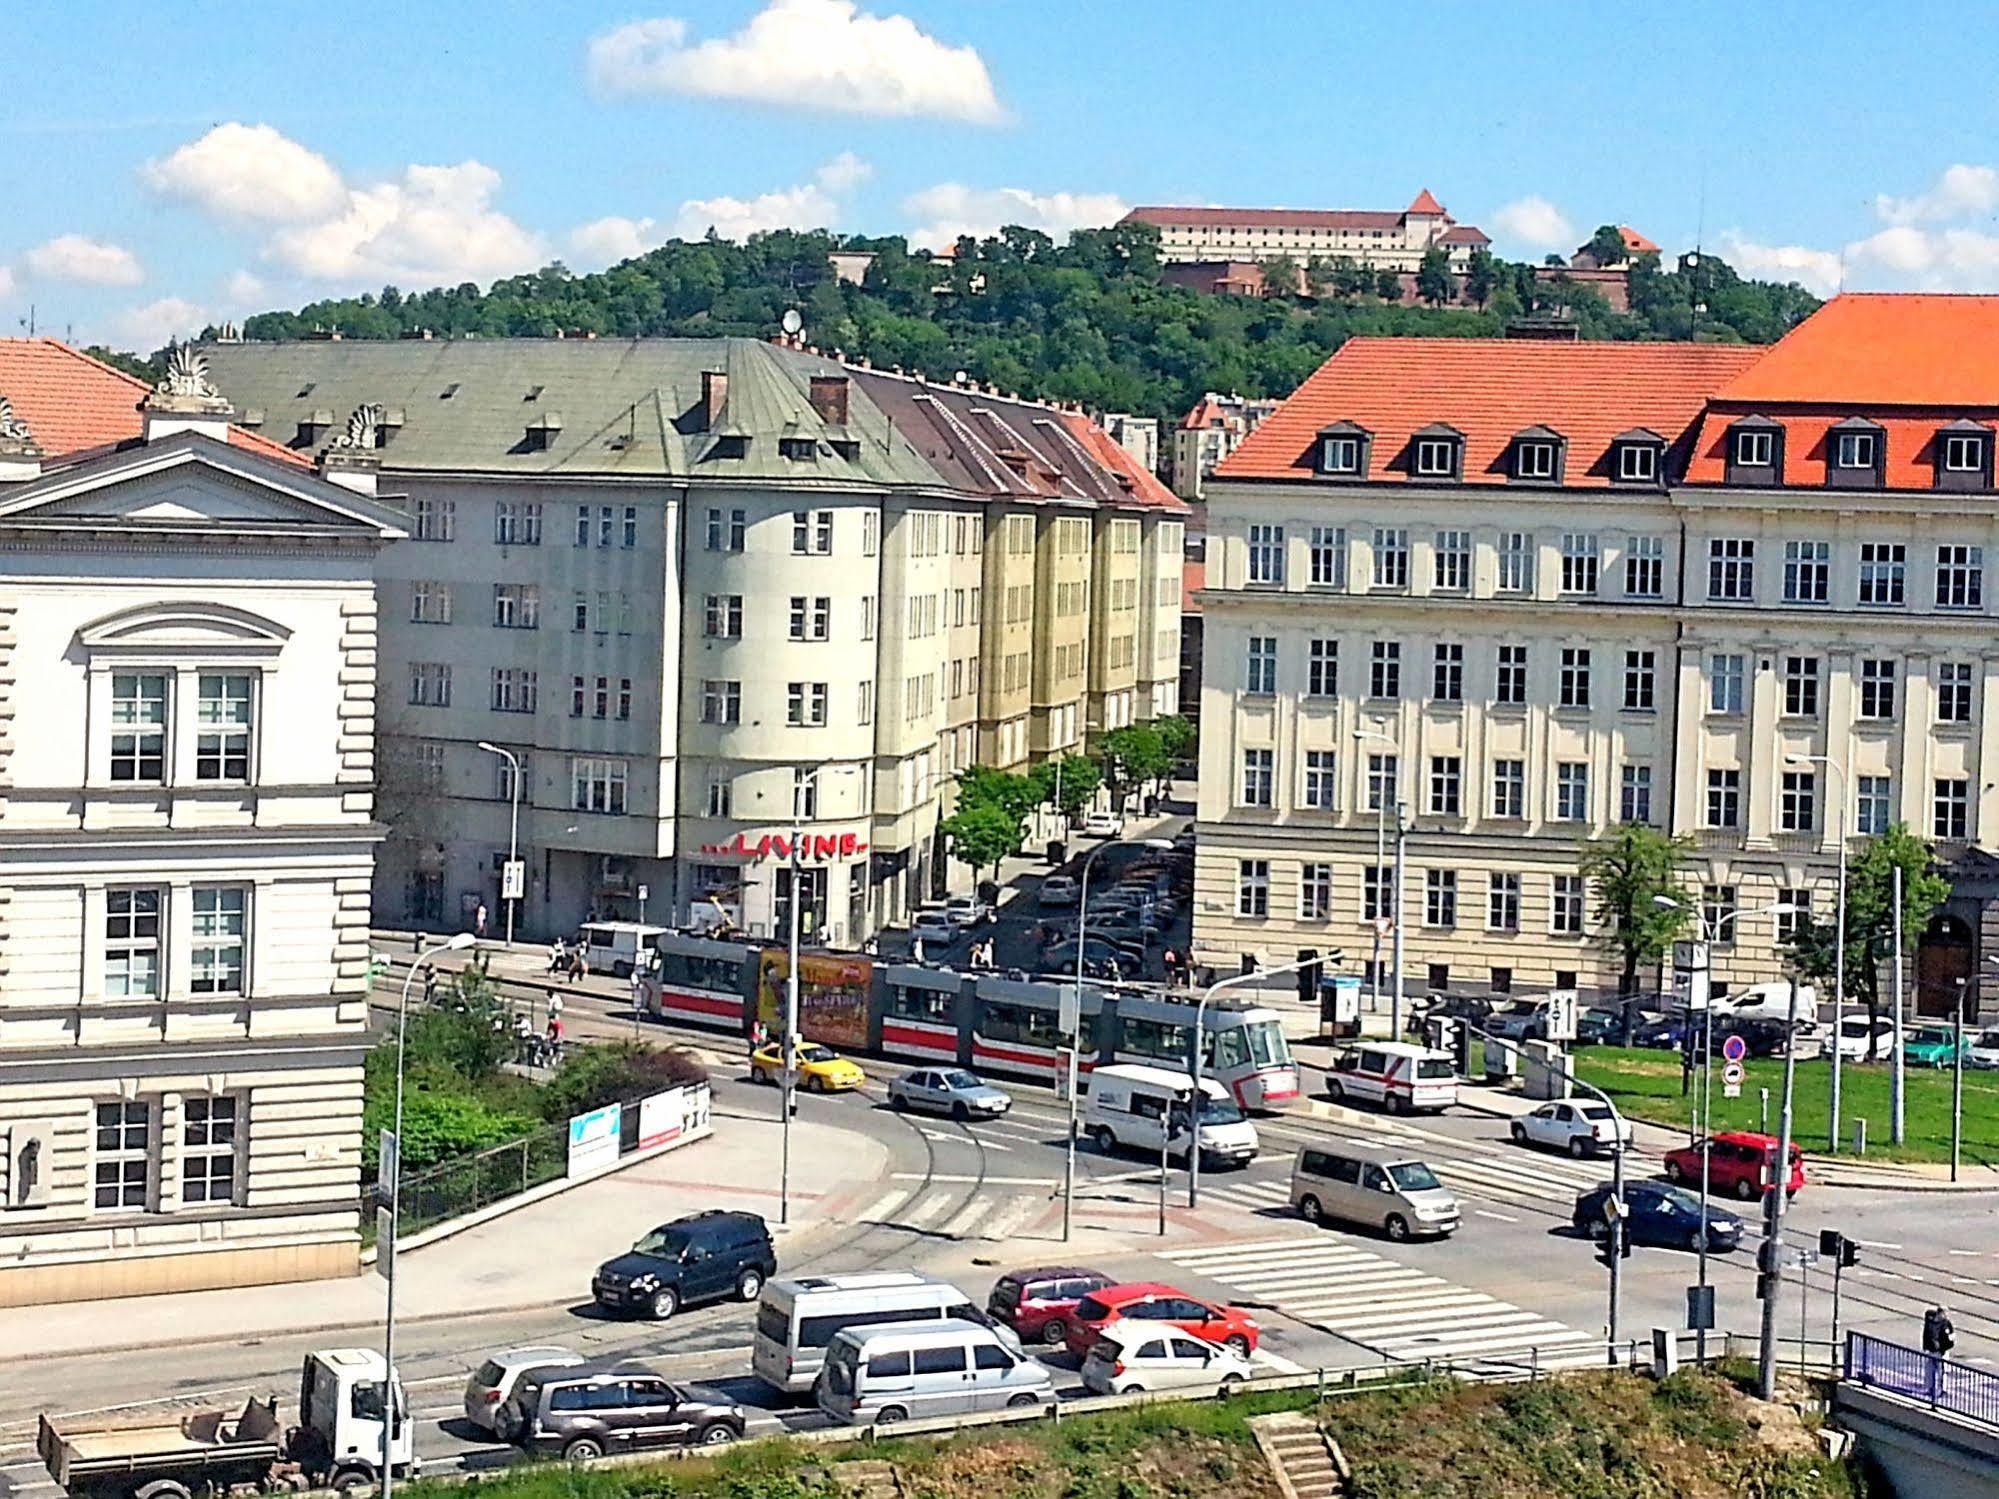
column 1267, row 1047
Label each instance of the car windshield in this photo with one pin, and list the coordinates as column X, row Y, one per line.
column 1414, row 1176
column 959, row 1081
column 1220, row 1111
column 1934, row 1035
column 666, row 1243
column 1595, row 1110
column 816, row 1054
column 1682, row 1199
column 1987, row 1040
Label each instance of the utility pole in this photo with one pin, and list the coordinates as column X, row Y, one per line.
column 1771, row 1275
column 1957, row 1091
column 1895, row 1080
column 1401, row 848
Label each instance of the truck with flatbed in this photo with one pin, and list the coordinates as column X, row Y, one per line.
column 216, row 1451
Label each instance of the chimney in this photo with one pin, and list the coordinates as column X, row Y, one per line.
column 714, row 395
column 353, row 459
column 20, row 456
column 186, row 400
column 829, row 399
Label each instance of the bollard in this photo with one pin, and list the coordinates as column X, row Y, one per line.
column 1764, row 1095
column 1860, row 1137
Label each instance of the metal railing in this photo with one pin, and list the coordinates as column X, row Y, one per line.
column 455, row 1188
column 1938, row 1382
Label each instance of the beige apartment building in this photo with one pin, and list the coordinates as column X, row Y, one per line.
column 1519, row 593
column 697, row 590
column 1385, row 240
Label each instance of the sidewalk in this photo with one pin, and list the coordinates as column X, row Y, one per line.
column 1820, row 1170
column 541, row 1255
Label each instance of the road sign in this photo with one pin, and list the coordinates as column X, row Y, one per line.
column 1700, row 1308
column 388, row 1165
column 1561, row 1015
column 1735, row 1049
column 385, row 1243
column 513, row 879
column 1731, row 1079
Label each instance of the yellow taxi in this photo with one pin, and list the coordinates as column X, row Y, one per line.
column 820, row 1068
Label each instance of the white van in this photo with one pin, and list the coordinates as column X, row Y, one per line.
column 1395, row 1075
column 1129, row 1105
column 798, row 1318
column 888, row 1374
column 617, row 946
column 1767, row 1001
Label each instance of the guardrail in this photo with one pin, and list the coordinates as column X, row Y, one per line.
column 1938, row 1382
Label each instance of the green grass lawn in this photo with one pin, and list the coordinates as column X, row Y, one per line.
column 1646, row 1085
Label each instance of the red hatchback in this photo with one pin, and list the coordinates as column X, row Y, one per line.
column 1740, row 1163
column 1149, row 1301
column 1039, row 1304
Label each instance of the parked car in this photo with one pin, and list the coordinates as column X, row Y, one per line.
column 1771, row 1038
column 968, row 911
column 933, row 929
column 948, row 1090
column 1768, row 1001
column 1038, row 1304
column 1131, row 1356
column 1931, row 1046
column 1599, row 1027
column 1058, row 890
column 1458, row 1007
column 820, row 1068
column 1102, row 824
column 1523, row 1020
column 1983, row 1052
column 1660, row 1214
column 1739, row 1164
column 1582, row 1127
column 584, row 1411
column 1667, row 1033
column 1157, row 1305
column 1100, row 959
column 702, row 1257
column 1861, row 1040
column 493, row 1381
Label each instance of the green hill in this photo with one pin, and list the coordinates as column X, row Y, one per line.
column 1087, row 321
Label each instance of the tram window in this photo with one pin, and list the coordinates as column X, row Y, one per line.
column 1230, row 1047
column 908, row 1002
column 1154, row 1038
column 724, row 974
column 1266, row 1043
column 1030, row 1026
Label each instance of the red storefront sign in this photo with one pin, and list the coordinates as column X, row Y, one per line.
column 778, row 846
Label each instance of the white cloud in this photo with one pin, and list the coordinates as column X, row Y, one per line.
column 434, row 225
column 149, row 327
column 72, row 257
column 1533, row 222
column 807, row 207
column 1962, row 192
column 6, row 282
column 607, row 241
column 950, row 209
column 843, row 173
column 249, row 172
column 803, row 54
column 1818, row 271
column 1934, row 260
column 243, row 287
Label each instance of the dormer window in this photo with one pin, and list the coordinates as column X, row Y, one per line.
column 1755, row 451
column 803, row 448
column 1854, row 450
column 1964, row 456
column 1343, row 450
column 1537, row 456
column 1436, row 452
column 1637, row 462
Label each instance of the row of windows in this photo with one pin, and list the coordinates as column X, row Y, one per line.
column 1567, row 895
column 125, row 1153
column 134, row 947
column 1881, row 583
column 141, row 713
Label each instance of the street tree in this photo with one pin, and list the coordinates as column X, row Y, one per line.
column 1177, row 735
column 1630, row 867
column 1132, row 756
column 1015, row 795
column 1870, row 915
column 1481, row 277
column 1433, row 277
column 1077, row 782
column 981, row 834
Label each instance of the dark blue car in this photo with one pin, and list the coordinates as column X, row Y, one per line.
column 1669, row 1034
column 1661, row 1214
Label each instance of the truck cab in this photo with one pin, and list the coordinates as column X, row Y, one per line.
column 341, row 1406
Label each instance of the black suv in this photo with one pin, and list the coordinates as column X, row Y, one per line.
column 583, row 1411
column 700, row 1258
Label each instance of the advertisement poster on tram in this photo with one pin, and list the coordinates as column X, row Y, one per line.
column 832, row 996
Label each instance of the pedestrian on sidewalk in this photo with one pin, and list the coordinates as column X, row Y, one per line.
column 579, row 966
column 479, row 921
column 558, row 956
column 552, row 1040
column 1170, row 961
column 916, row 949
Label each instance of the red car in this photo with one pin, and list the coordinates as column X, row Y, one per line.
column 1740, row 1163
column 1148, row 1300
column 1039, row 1304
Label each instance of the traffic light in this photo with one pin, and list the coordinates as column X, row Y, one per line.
column 1837, row 1247
column 1769, row 1271
column 1939, row 1337
column 1308, row 976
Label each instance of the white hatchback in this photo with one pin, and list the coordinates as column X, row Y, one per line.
column 1132, row 1356
column 1581, row 1127
column 492, row 1382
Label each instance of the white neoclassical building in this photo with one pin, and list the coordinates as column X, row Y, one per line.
column 1523, row 592
column 187, row 676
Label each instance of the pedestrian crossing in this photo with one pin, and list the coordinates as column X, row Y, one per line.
column 1397, row 1311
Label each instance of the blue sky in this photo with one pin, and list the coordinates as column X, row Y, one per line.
column 176, row 164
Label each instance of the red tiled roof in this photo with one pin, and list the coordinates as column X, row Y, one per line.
column 73, row 403
column 1491, row 390
column 1145, row 488
column 1464, row 234
column 1265, row 218
column 1426, row 202
column 1910, row 461
column 1636, row 243
column 1883, row 349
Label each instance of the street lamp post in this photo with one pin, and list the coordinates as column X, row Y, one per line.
column 1401, row 847
column 1200, row 1047
column 1838, row 769
column 456, row 942
column 513, row 826
column 1076, row 1035
column 1362, row 736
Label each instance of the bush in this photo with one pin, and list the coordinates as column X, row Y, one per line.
column 614, row 1072
column 438, row 1126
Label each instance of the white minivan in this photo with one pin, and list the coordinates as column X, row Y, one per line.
column 888, row 1374
column 1395, row 1076
column 1129, row 1106
column 617, row 946
column 798, row 1318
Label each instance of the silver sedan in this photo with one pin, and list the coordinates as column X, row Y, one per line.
column 948, row 1090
